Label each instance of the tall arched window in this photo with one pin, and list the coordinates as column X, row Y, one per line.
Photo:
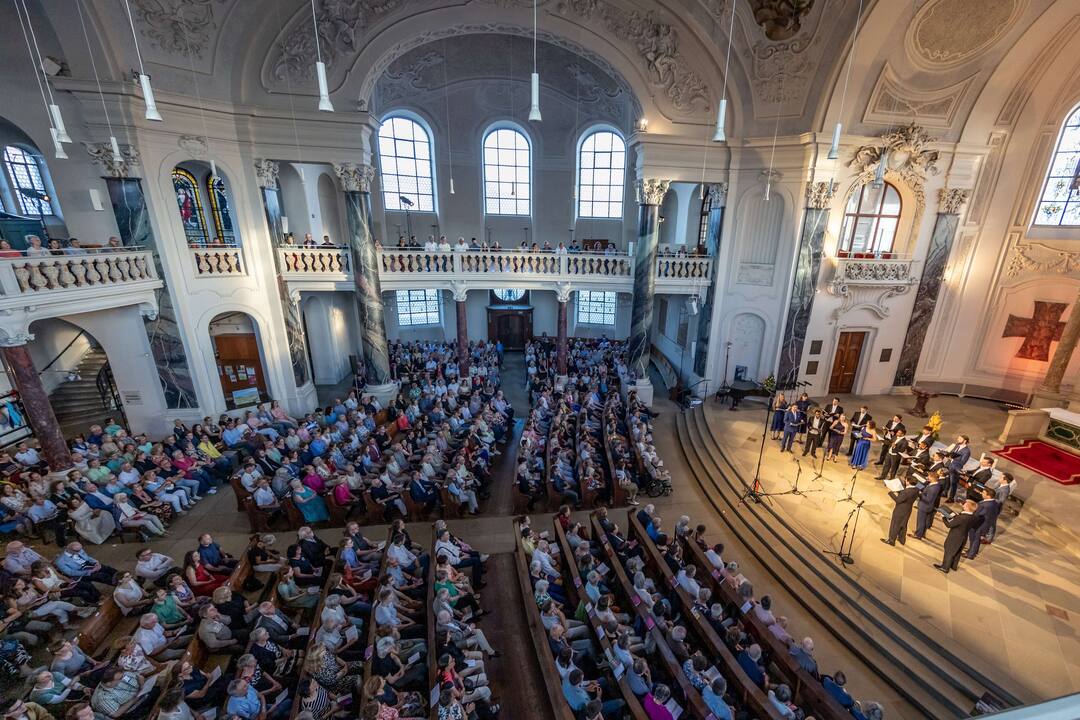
column 870, row 220
column 601, row 175
column 1059, row 203
column 27, row 183
column 219, row 210
column 507, row 172
column 405, row 164
column 189, row 202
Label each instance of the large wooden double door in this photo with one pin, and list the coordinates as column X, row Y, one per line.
column 846, row 362
column 512, row 327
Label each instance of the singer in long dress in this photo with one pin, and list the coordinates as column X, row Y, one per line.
column 861, row 457
column 778, row 409
column 95, row 526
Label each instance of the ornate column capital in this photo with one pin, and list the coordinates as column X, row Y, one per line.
column 820, row 194
column 950, row 200
column 563, row 291
column 355, row 177
column 266, row 173
column 460, row 291
column 651, row 191
column 717, row 193
column 102, row 154
column 14, row 339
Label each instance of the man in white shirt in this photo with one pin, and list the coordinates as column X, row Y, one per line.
column 687, row 581
column 27, row 455
column 444, row 244
column 128, row 475
column 18, row 558
column 152, row 566
column 157, row 643
column 461, row 246
column 431, row 245
column 715, row 556
column 542, row 556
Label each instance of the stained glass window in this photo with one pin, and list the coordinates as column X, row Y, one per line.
column 190, row 206
column 418, row 307
column 1059, row 203
column 601, row 175
column 26, row 181
column 509, row 294
column 220, row 211
column 507, row 172
column 595, row 307
column 405, row 165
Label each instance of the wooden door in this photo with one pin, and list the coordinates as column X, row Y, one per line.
column 240, row 369
column 846, row 362
column 512, row 331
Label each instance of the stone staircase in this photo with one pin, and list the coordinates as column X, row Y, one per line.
column 77, row 403
column 938, row 680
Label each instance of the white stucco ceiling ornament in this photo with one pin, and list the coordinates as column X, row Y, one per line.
column 657, row 45
column 178, row 27
column 194, row 145
column 892, row 101
column 102, row 154
column 780, row 19
column 783, row 69
column 948, row 33
column 909, row 159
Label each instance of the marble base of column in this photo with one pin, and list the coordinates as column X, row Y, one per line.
column 384, row 392
column 560, row 347
column 644, row 389
column 39, row 412
column 462, row 337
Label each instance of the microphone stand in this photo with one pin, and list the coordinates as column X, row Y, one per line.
column 851, row 490
column 844, row 556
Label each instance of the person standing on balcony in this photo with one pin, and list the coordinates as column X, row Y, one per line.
column 461, row 246
column 327, row 242
column 309, row 241
column 444, row 244
column 431, row 245
column 33, row 247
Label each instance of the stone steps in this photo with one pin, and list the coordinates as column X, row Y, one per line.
column 894, row 648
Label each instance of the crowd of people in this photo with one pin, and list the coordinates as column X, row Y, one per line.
column 55, row 246
column 925, row 474
column 442, row 244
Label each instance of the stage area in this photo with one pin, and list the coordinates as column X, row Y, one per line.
column 1015, row 609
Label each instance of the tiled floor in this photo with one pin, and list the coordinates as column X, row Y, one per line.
column 1014, row 609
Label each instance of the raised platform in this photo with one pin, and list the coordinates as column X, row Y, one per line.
column 1003, row 622
column 1058, row 464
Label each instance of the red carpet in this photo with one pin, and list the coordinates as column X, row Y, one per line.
column 1045, row 459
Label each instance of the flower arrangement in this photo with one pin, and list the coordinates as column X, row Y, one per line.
column 935, row 422
column 769, row 384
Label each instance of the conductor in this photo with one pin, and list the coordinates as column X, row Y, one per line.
column 959, row 525
column 901, row 514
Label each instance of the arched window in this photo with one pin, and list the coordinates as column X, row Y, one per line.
column 601, row 175
column 191, row 208
column 405, row 164
column 509, row 294
column 219, row 210
column 870, row 220
column 27, row 183
column 1059, row 203
column 507, row 172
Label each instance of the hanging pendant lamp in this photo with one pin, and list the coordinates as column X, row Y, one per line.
column 54, row 109
column 534, row 111
column 834, row 148
column 721, row 113
column 144, row 79
column 320, row 67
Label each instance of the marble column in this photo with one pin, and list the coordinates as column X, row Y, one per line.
column 716, row 197
column 266, row 173
column 167, row 345
column 950, row 201
column 356, row 180
column 804, row 284
column 35, row 401
column 1059, row 363
column 460, row 296
column 650, row 193
column 562, row 296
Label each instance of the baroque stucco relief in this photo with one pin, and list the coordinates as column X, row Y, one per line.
column 948, row 33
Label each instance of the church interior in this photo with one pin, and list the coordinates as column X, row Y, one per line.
column 556, row 359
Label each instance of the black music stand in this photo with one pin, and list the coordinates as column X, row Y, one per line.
column 844, row 556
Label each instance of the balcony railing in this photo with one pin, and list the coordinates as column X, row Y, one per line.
column 37, row 276
column 314, row 261
column 874, row 271
column 218, row 261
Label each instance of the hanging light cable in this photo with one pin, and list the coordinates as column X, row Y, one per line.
column 292, row 105
column 58, row 147
column 721, row 114
column 776, row 130
column 534, row 111
column 115, row 146
column 144, row 79
column 199, row 102
column 449, row 133
column 834, row 148
column 54, row 109
column 320, row 67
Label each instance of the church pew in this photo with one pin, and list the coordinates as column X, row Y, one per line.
column 739, row 683
column 554, row 499
column 552, row 681
column 575, row 595
column 618, row 495
column 805, row 688
column 369, row 648
column 239, row 492
column 432, row 654
column 624, row 589
column 100, row 625
column 313, row 628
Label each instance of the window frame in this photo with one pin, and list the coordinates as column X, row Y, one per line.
column 35, row 168
column 620, row 188
column 429, row 295
column 200, row 212
column 1071, row 121
column 850, row 221
column 221, row 212
column 585, row 305
column 429, row 136
column 499, row 199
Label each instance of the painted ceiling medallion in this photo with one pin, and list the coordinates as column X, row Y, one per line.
column 781, row 19
column 947, row 33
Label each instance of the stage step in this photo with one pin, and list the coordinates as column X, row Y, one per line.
column 932, row 679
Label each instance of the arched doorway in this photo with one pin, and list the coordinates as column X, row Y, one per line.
column 238, row 355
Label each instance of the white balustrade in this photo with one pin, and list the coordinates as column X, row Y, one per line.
column 395, row 262
column 68, row 273
column 874, row 271
column 316, row 260
column 217, row 262
column 670, row 267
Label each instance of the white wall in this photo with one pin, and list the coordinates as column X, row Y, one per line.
column 328, row 321
column 51, row 336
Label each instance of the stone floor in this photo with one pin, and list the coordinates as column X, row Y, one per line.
column 1016, row 607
